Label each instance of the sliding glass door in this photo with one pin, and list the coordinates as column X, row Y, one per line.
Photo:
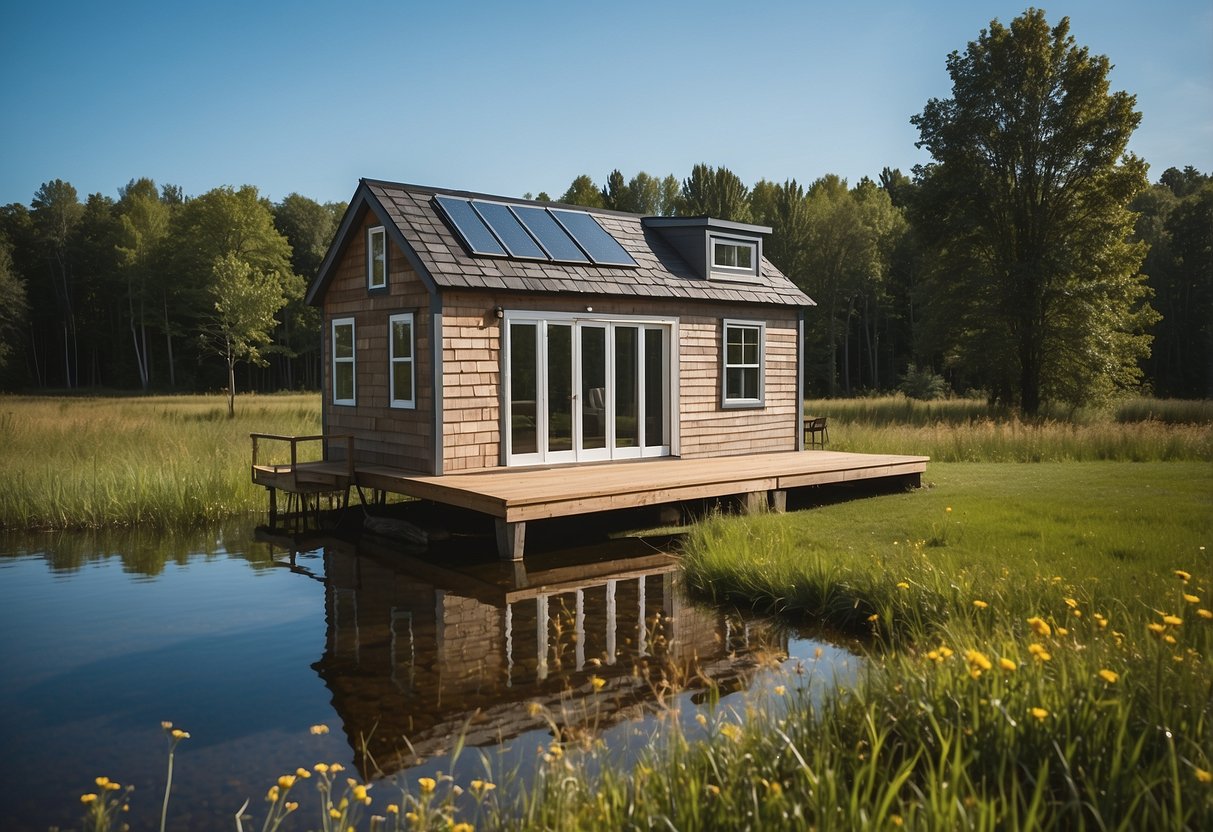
column 584, row 389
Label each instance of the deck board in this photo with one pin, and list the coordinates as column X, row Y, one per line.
column 517, row 495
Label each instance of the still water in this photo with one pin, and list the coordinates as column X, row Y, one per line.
column 247, row 640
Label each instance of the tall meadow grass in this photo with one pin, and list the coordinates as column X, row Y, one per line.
column 967, row 430
column 147, row 461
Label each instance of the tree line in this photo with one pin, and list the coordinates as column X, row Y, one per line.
column 159, row 291
column 1030, row 260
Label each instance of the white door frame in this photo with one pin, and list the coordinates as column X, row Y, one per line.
column 542, row 456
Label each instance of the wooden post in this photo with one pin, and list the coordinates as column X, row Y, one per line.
column 273, row 505
column 779, row 501
column 754, row 502
column 511, row 539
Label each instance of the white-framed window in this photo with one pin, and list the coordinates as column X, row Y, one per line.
column 344, row 385
column 734, row 258
column 376, row 258
column 742, row 370
column 402, row 376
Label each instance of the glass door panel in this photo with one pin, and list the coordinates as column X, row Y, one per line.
column 656, row 387
column 524, row 430
column 593, row 386
column 627, row 367
column 560, row 387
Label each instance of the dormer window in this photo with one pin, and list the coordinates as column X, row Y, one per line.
column 376, row 258
column 734, row 259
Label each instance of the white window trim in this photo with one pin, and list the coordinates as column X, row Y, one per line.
column 370, row 260
column 406, row 317
column 734, row 272
column 725, row 401
column 352, row 359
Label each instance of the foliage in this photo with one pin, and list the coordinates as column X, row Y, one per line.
column 923, row 383
column 245, row 303
column 583, row 191
column 1035, row 290
column 714, row 192
column 14, row 308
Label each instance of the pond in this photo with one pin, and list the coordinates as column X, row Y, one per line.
column 245, row 640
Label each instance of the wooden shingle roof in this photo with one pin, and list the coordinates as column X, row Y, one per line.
column 436, row 252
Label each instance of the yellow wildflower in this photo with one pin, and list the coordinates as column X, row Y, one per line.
column 411, row 817
column 334, row 813
column 1039, row 652
column 981, row 605
column 896, row 820
column 292, row 806
column 1040, row 626
column 166, row 725
column 780, row 690
column 302, row 772
column 1169, row 639
column 321, row 767
column 1191, row 599
column 1204, row 776
column 1006, row 664
column 597, row 682
column 1109, row 676
column 1156, row 628
column 319, row 729
column 102, row 782
column 902, row 585
column 731, row 731
column 701, row 719
column 978, row 662
column 286, row 781
column 1183, row 576
column 1070, row 602
column 1173, row 620
column 1203, row 613
column 272, row 795
column 534, row 709
column 462, row 827
column 1062, row 631
column 87, row 798
column 178, row 734
column 336, row 767
column 1039, row 713
column 393, row 809
column 874, row 616
column 713, row 789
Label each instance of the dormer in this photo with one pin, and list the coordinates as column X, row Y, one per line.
column 718, row 250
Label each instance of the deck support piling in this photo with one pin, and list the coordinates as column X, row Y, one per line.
column 753, row 502
column 779, row 501
column 511, row 539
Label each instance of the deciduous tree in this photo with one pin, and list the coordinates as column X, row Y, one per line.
column 1035, row 279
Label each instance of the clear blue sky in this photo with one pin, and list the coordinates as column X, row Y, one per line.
column 509, row 97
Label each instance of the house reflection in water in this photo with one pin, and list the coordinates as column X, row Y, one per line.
column 418, row 654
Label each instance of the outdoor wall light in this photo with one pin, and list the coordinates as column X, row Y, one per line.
column 499, row 312
column 589, row 309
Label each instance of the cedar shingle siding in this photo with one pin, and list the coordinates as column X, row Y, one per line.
column 430, row 273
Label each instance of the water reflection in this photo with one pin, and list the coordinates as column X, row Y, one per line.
column 425, row 653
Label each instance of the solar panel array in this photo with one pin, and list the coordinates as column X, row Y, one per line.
column 531, row 232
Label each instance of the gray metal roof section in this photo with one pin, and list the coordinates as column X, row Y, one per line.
column 660, row 271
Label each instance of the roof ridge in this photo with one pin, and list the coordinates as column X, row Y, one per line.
column 430, row 189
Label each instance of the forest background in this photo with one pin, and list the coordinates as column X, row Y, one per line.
column 119, row 294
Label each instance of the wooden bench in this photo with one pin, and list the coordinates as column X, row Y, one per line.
column 815, row 431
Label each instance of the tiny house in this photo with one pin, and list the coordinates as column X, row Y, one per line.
column 464, row 332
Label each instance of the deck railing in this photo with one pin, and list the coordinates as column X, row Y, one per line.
column 294, row 442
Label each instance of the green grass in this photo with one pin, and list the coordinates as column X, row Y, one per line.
column 967, row 430
column 149, row 461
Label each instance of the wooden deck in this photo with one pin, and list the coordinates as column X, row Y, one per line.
column 515, row 496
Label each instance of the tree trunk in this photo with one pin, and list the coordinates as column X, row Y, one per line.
column 231, row 385
column 168, row 336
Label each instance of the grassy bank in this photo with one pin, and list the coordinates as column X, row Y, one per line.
column 966, row 430
column 149, row 461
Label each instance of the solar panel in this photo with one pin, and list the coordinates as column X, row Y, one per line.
column 550, row 234
column 509, row 230
column 603, row 249
column 476, row 235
